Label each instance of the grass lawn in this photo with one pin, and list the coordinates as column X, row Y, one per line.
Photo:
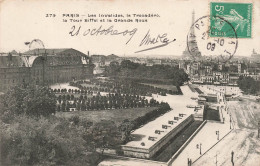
column 176, row 142
column 116, row 115
column 168, row 87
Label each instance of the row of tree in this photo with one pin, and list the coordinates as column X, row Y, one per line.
column 111, row 101
column 76, row 91
column 123, row 86
column 127, row 126
column 134, row 70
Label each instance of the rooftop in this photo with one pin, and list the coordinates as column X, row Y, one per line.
column 27, row 58
column 179, row 105
column 56, row 51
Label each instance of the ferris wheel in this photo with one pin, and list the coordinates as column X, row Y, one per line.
column 36, row 44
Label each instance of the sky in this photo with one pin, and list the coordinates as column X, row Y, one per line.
column 24, row 20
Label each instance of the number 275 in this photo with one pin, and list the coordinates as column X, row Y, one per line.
column 50, row 15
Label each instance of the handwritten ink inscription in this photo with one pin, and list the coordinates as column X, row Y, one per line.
column 103, row 31
column 160, row 40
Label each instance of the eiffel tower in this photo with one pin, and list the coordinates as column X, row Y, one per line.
column 192, row 42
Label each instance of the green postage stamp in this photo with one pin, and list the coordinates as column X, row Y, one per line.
column 224, row 16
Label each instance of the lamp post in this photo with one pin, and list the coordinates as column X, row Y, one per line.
column 259, row 129
column 216, row 159
column 217, row 133
column 232, row 158
column 199, row 147
column 230, row 120
column 189, row 162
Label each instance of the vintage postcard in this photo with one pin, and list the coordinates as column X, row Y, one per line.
column 130, row 83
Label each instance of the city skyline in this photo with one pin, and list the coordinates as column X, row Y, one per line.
column 55, row 33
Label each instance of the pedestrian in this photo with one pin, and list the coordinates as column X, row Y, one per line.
column 232, row 158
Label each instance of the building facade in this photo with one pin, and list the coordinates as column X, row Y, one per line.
column 44, row 67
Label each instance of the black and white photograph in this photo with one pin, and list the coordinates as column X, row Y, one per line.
column 129, row 83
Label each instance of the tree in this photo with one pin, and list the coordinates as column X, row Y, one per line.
column 43, row 141
column 125, row 128
column 58, row 108
column 233, row 69
column 113, row 68
column 72, row 97
column 31, row 101
column 39, row 101
column 179, row 77
column 78, row 106
column 225, row 68
column 63, row 105
column 248, row 85
column 68, row 97
column 215, row 67
column 75, row 119
column 68, row 106
column 59, row 99
column 104, row 134
column 83, row 107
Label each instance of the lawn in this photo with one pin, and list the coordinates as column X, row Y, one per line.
column 168, row 87
column 116, row 115
column 176, row 142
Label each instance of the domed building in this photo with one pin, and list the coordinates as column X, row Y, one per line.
column 44, row 67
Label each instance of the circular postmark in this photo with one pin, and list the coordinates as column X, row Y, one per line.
column 200, row 40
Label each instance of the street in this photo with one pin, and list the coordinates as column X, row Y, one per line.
column 242, row 140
